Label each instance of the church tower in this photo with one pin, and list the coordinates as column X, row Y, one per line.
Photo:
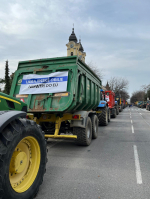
column 74, row 47
column 107, row 86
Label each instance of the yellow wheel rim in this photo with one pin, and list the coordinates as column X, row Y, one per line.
column 24, row 164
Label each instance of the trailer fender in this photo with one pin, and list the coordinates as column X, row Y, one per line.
column 82, row 122
column 8, row 116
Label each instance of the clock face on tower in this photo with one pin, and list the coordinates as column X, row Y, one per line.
column 80, row 56
column 71, row 45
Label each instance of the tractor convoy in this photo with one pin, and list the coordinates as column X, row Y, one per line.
column 49, row 98
column 143, row 104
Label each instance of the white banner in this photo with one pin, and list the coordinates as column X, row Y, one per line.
column 107, row 98
column 51, row 83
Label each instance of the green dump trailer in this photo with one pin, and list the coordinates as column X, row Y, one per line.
column 60, row 94
column 50, row 98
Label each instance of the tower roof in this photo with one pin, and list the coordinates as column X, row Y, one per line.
column 107, row 86
column 81, row 47
column 73, row 36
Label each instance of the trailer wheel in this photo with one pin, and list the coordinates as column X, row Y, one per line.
column 94, row 120
column 109, row 115
column 84, row 135
column 114, row 115
column 23, row 159
column 120, row 110
column 117, row 111
column 103, row 117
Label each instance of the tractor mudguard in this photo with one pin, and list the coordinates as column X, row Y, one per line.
column 8, row 116
column 102, row 104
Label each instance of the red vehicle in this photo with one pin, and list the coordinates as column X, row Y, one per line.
column 110, row 97
column 124, row 103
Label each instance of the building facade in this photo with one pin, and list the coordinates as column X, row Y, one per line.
column 74, row 47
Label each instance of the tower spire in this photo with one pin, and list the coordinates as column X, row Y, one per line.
column 73, row 36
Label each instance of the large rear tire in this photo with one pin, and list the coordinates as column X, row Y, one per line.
column 120, row 110
column 117, row 110
column 94, row 120
column 109, row 115
column 114, row 114
column 23, row 158
column 103, row 117
column 84, row 135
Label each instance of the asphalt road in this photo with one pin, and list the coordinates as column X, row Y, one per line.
column 115, row 166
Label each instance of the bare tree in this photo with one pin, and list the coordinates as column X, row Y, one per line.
column 146, row 89
column 138, row 96
column 118, row 84
column 98, row 71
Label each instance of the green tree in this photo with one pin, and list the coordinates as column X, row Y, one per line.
column 7, row 79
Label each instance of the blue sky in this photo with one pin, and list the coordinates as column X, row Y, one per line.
column 115, row 34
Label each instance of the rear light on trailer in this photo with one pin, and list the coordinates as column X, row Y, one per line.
column 76, row 117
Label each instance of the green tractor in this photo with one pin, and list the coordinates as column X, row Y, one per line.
column 23, row 153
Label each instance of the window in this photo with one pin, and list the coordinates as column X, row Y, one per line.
column 71, row 53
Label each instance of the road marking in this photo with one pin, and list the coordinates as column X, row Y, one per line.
column 132, row 129
column 145, row 120
column 130, row 116
column 131, row 121
column 137, row 166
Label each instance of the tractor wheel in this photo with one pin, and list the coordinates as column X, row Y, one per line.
column 23, row 157
column 103, row 117
column 84, row 135
column 114, row 115
column 120, row 110
column 109, row 115
column 117, row 111
column 94, row 120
